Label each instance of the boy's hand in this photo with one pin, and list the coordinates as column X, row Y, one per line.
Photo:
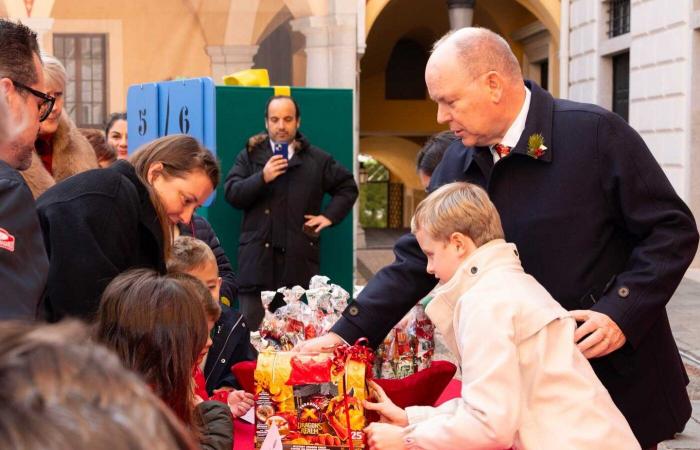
column 239, row 402
column 387, row 410
column 383, row 436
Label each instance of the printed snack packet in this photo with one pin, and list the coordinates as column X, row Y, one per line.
column 315, row 400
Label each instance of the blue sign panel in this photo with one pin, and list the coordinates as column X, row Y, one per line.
column 142, row 114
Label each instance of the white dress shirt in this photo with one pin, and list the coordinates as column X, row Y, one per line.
column 516, row 128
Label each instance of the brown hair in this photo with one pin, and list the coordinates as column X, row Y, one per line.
column 199, row 292
column 180, row 155
column 189, row 253
column 61, row 390
column 19, row 45
column 96, row 138
column 458, row 208
column 157, row 331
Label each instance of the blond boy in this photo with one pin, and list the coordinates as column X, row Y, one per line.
column 525, row 384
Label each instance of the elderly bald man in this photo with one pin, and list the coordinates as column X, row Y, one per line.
column 595, row 220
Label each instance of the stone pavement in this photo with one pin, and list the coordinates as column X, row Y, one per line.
column 683, row 311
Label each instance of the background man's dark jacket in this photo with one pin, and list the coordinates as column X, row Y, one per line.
column 274, row 213
column 597, row 222
column 202, row 230
column 24, row 266
column 96, row 225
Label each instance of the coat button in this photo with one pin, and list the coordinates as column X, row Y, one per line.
column 267, row 211
column 623, row 292
column 353, row 310
column 267, row 245
column 474, row 270
column 516, row 253
column 223, row 360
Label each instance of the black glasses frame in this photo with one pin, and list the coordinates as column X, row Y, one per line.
column 47, row 100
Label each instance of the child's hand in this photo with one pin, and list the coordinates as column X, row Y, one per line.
column 387, row 410
column 383, row 436
column 239, row 402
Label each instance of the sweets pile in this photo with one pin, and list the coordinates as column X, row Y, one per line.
column 314, row 400
column 408, row 348
column 284, row 326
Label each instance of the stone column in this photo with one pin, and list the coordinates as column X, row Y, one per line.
column 331, row 49
column 461, row 13
column 42, row 26
column 227, row 59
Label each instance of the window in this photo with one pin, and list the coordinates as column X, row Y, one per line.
column 405, row 71
column 544, row 74
column 619, row 22
column 621, row 84
column 84, row 57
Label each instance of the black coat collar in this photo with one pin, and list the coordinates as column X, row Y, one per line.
column 539, row 120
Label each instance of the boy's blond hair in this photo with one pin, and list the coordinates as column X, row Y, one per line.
column 458, row 208
column 188, row 253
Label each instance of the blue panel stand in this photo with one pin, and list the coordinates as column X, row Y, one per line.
column 142, row 114
column 173, row 107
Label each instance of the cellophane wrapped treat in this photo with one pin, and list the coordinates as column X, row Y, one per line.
column 408, row 348
column 298, row 321
column 314, row 399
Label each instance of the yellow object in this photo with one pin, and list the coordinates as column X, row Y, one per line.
column 249, row 77
column 283, row 90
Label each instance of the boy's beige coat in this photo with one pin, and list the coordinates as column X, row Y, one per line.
column 525, row 384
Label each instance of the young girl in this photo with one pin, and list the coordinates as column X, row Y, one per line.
column 524, row 382
column 238, row 401
column 156, row 329
column 100, row 223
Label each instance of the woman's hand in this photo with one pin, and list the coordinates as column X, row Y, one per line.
column 387, row 410
column 239, row 402
column 383, row 436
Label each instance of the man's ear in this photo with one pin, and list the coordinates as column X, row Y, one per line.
column 495, row 84
column 154, row 171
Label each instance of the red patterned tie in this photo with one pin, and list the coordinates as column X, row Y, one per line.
column 502, row 150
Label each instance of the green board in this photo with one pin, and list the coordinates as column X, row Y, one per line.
column 326, row 120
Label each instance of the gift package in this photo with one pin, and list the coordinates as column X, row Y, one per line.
column 313, row 400
column 295, row 314
column 408, row 348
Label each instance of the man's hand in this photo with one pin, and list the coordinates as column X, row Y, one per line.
column 605, row 336
column 383, row 436
column 387, row 410
column 274, row 167
column 324, row 343
column 239, row 402
column 318, row 223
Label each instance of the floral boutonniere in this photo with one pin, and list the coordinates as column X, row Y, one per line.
column 535, row 146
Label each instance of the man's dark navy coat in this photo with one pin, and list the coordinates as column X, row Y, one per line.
column 597, row 222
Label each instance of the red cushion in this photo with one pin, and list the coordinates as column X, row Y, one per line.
column 244, row 372
column 420, row 389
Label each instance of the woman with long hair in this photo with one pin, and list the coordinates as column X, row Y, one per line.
column 100, row 223
column 159, row 332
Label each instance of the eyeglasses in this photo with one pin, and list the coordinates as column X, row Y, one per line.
column 46, row 104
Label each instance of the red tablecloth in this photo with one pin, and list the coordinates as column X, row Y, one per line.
column 244, row 432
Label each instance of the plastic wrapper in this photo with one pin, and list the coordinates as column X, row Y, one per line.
column 297, row 320
column 408, row 348
column 314, row 399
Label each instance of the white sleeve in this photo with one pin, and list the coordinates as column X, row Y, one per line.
column 487, row 413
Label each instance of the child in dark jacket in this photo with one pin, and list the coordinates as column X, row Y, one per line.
column 230, row 336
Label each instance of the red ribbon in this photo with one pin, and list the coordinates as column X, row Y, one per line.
column 358, row 352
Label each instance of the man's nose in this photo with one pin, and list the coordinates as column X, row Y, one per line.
column 442, row 115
